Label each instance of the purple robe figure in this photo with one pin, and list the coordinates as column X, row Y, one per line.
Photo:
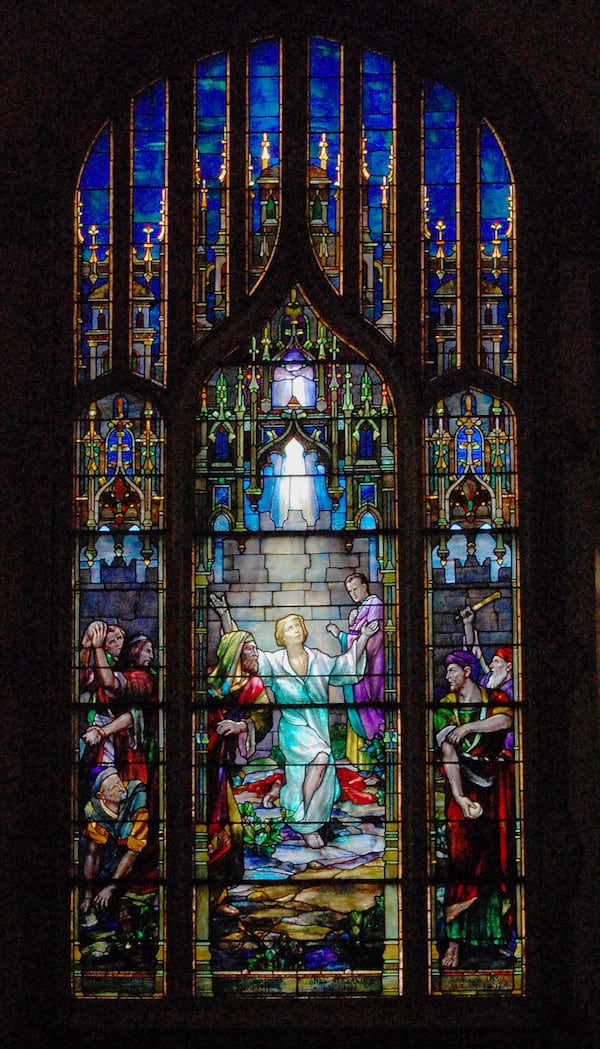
column 365, row 699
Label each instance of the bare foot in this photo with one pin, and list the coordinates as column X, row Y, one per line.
column 313, row 840
column 450, row 959
column 272, row 796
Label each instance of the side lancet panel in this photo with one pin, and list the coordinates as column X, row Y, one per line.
column 476, row 915
column 118, row 692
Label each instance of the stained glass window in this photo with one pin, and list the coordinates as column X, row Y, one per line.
column 304, row 442
column 264, row 155
column 441, row 233
column 378, row 174
column 93, row 262
column 474, row 710
column 297, row 719
column 118, row 837
column 211, row 193
column 148, row 231
column 497, row 260
column 325, row 183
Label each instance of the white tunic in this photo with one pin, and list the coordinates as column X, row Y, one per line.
column 304, row 726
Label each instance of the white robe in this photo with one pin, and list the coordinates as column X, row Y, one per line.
column 304, row 726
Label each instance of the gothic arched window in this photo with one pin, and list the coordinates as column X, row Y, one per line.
column 245, row 346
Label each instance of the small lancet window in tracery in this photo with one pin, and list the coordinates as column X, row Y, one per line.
column 378, row 191
column 441, row 230
column 264, row 159
column 325, row 182
column 93, row 254
column 497, row 219
column 148, row 304
column 211, row 193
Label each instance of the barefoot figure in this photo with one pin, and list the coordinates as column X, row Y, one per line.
column 470, row 726
column 299, row 678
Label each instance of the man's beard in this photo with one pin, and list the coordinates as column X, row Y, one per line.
column 496, row 678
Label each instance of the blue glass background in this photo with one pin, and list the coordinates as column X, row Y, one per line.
column 211, row 120
column 325, row 101
column 440, row 175
column 378, row 122
column 263, row 108
column 494, row 187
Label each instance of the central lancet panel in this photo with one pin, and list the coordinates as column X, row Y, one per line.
column 296, row 700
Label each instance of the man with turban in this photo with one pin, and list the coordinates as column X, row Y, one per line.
column 239, row 717
column 498, row 674
column 470, row 726
column 116, row 832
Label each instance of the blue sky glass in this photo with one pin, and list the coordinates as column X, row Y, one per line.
column 149, row 160
column 378, row 123
column 211, row 133
column 440, row 176
column 495, row 220
column 95, row 187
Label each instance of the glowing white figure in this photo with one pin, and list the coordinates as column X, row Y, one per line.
column 294, row 484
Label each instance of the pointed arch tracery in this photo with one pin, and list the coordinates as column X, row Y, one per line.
column 297, row 479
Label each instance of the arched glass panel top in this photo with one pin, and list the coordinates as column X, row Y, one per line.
column 371, row 113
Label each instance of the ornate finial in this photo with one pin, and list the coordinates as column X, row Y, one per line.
column 221, row 396
column 496, row 250
column 364, row 166
column 323, row 151
column 79, row 215
column 265, row 154
column 148, row 253
column 163, row 216
column 426, row 229
column 384, row 192
column 510, row 212
column 347, row 400
column 93, row 275
column 440, row 254
column 239, row 393
column 147, row 452
column 293, row 310
column 366, row 392
column 250, row 172
column 266, row 343
column 197, row 170
column 203, row 195
column 390, row 175
column 469, row 404
column 223, row 172
column 321, row 341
